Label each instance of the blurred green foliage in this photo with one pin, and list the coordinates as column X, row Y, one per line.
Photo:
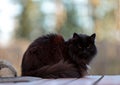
column 40, row 17
column 64, row 19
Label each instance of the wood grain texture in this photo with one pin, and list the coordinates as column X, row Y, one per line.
column 88, row 80
column 110, row 80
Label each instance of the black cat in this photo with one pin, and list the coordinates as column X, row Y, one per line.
column 51, row 56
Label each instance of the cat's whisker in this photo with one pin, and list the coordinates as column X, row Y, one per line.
column 88, row 66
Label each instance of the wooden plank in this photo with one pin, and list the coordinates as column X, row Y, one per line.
column 110, row 80
column 51, row 82
column 18, row 79
column 88, row 80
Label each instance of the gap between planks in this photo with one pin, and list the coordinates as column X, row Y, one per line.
column 97, row 81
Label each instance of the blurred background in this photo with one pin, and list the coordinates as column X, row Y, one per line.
column 22, row 21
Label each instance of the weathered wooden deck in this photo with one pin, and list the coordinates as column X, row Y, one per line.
column 88, row 80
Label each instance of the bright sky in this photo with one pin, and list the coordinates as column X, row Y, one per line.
column 8, row 11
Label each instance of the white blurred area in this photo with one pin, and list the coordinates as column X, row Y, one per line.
column 8, row 12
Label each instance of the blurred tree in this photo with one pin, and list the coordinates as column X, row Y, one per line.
column 70, row 22
column 94, row 4
column 104, row 18
column 29, row 20
column 118, row 14
column 25, row 26
column 60, row 15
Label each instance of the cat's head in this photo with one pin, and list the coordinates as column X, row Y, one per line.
column 82, row 47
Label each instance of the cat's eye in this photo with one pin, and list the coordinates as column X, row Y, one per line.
column 79, row 47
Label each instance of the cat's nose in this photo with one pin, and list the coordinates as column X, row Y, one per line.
column 84, row 52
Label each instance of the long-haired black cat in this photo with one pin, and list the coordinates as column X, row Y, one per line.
column 50, row 56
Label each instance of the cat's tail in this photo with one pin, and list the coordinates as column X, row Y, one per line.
column 59, row 70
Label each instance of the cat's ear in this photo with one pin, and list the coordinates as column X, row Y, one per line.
column 93, row 37
column 75, row 35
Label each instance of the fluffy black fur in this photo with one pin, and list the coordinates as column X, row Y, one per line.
column 51, row 56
